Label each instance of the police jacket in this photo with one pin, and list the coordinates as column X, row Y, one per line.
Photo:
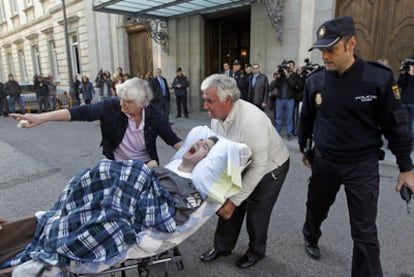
column 347, row 114
column 241, row 81
column 114, row 124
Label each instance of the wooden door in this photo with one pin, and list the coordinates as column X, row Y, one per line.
column 227, row 38
column 385, row 28
column 140, row 50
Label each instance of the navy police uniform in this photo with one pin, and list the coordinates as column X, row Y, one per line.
column 239, row 75
column 241, row 82
column 346, row 115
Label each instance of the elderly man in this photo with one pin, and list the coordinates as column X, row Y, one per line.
column 235, row 119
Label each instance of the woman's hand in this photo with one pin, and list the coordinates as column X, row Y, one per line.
column 30, row 120
column 152, row 164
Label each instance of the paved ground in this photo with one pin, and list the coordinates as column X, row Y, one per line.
column 36, row 164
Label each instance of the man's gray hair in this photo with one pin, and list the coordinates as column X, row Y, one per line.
column 225, row 86
column 135, row 89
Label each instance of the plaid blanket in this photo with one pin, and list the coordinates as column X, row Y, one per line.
column 99, row 214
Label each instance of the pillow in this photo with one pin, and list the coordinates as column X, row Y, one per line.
column 217, row 176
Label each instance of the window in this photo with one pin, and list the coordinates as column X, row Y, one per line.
column 10, row 63
column 75, row 55
column 13, row 7
column 36, row 60
column 2, row 75
column 22, row 65
column 53, row 59
column 2, row 12
column 28, row 3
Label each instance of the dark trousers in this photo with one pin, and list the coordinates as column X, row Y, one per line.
column 165, row 106
column 258, row 209
column 42, row 99
column 361, row 182
column 4, row 106
column 181, row 101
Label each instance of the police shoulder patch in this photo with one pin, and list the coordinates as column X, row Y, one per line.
column 396, row 92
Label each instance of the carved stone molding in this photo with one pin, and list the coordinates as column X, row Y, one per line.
column 275, row 11
column 157, row 29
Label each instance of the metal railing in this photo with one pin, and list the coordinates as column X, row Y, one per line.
column 62, row 101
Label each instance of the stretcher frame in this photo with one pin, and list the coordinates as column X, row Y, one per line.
column 141, row 265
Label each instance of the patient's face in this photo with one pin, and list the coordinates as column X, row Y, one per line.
column 198, row 151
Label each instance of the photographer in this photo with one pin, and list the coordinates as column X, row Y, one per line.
column 406, row 83
column 286, row 84
column 104, row 83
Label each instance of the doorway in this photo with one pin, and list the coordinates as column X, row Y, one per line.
column 140, row 50
column 227, row 38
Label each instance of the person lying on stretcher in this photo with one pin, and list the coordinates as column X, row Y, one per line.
column 100, row 212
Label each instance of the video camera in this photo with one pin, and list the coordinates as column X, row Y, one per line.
column 308, row 67
column 282, row 66
column 100, row 76
column 405, row 64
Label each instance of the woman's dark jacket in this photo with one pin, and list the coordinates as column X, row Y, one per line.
column 114, row 124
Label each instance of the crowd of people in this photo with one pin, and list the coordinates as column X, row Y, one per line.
column 11, row 93
column 347, row 106
column 282, row 95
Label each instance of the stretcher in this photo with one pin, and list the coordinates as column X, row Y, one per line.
column 216, row 177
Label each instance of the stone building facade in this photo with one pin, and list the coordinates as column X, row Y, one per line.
column 33, row 38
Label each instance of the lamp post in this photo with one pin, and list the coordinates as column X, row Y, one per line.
column 67, row 45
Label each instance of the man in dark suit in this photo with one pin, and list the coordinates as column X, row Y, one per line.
column 258, row 88
column 161, row 92
column 226, row 70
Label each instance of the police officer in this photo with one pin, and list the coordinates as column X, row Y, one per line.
column 347, row 106
column 239, row 74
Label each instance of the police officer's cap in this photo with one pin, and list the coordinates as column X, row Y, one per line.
column 330, row 32
column 248, row 65
column 236, row 62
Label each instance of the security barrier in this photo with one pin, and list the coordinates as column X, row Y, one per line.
column 63, row 100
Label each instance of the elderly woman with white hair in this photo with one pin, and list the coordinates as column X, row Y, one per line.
column 129, row 123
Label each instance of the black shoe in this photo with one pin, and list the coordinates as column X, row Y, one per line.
column 312, row 250
column 186, row 116
column 213, row 254
column 246, row 261
column 177, row 116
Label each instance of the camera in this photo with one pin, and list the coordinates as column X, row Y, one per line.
column 101, row 75
column 405, row 64
column 309, row 67
column 282, row 66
